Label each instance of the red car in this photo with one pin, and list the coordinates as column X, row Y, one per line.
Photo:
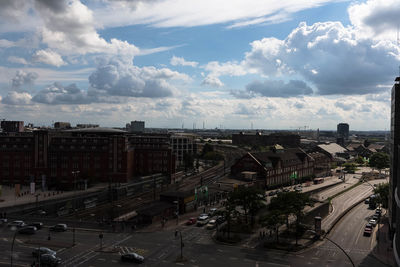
column 191, row 221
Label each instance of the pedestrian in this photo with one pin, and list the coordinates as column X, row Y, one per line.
column 260, row 235
column 204, row 210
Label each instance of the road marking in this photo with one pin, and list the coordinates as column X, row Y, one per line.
column 101, row 259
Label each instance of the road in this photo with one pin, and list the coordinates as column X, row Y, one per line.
column 348, row 234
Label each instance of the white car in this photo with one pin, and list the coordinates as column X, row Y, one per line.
column 17, row 224
column 202, row 220
column 372, row 222
column 211, row 224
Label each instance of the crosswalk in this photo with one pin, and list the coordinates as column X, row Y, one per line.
column 125, row 249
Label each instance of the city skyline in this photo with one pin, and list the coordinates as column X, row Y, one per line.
column 261, row 65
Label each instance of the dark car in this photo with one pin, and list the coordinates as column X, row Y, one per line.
column 17, row 224
column 28, row 230
column 367, row 231
column 132, row 257
column 220, row 219
column 49, row 260
column 41, row 251
column 61, row 227
column 38, row 225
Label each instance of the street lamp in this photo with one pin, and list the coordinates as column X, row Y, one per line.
column 74, row 173
column 182, row 245
column 333, row 242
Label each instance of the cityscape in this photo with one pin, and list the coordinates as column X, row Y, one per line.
column 199, row 133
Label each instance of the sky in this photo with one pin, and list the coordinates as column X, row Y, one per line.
column 177, row 63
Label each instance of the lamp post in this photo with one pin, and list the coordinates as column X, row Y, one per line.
column 74, row 173
column 182, row 245
column 337, row 245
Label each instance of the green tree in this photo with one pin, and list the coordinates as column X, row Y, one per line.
column 360, row 160
column 273, row 220
column 349, row 167
column 229, row 212
column 290, row 203
column 379, row 160
column 249, row 199
column 382, row 195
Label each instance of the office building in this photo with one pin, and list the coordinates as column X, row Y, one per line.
column 394, row 194
column 12, row 126
column 136, row 127
column 343, row 131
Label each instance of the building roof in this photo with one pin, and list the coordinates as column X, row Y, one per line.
column 288, row 157
column 333, row 148
column 96, row 130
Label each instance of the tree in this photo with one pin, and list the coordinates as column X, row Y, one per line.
column 249, row 199
column 273, row 221
column 349, row 167
column 382, row 195
column 379, row 160
column 290, row 203
column 360, row 160
column 207, row 148
column 229, row 212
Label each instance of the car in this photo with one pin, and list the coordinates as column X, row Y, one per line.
column 61, row 227
column 202, row 220
column 202, row 215
column 212, row 211
column 38, row 225
column 42, row 250
column 375, row 216
column 191, row 221
column 40, row 212
column 220, row 219
column 285, row 190
column 372, row 222
column 132, row 257
column 271, row 193
column 378, row 211
column 28, row 230
column 17, row 224
column 49, row 260
column 211, row 224
column 3, row 220
column 299, row 189
column 366, row 201
column 367, row 231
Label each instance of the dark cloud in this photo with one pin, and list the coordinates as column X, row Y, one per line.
column 56, row 6
column 274, row 88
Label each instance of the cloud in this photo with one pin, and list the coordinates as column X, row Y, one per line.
column 328, row 55
column 6, row 43
column 120, row 78
column 180, row 61
column 22, row 79
column 17, row 98
column 366, row 108
column 182, row 13
column 69, row 28
column 344, row 106
column 377, row 19
column 17, row 60
column 56, row 94
column 48, row 57
column 275, row 88
column 298, row 105
column 212, row 81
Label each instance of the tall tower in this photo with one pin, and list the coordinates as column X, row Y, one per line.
column 394, row 193
column 343, row 130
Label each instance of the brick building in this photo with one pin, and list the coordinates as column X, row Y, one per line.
column 275, row 167
column 259, row 139
column 96, row 154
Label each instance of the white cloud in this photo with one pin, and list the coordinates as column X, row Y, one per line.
column 182, row 13
column 377, row 19
column 48, row 57
column 6, row 43
column 57, row 94
column 17, row 98
column 23, row 79
column 17, row 60
column 69, row 28
column 213, row 81
column 328, row 55
column 120, row 78
column 180, row 61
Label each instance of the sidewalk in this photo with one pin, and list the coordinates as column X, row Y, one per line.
column 383, row 250
column 9, row 198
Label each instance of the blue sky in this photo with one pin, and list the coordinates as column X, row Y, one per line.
column 270, row 64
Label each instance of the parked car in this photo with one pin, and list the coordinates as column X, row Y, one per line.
column 372, row 222
column 17, row 224
column 375, row 216
column 40, row 212
column 211, row 224
column 212, row 211
column 28, row 230
column 49, row 260
column 42, row 250
column 220, row 219
column 3, row 220
column 367, row 231
column 285, row 189
column 202, row 220
column 299, row 189
column 61, row 227
column 132, row 257
column 38, row 225
column 378, row 211
column 366, row 201
column 191, row 221
column 272, row 193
